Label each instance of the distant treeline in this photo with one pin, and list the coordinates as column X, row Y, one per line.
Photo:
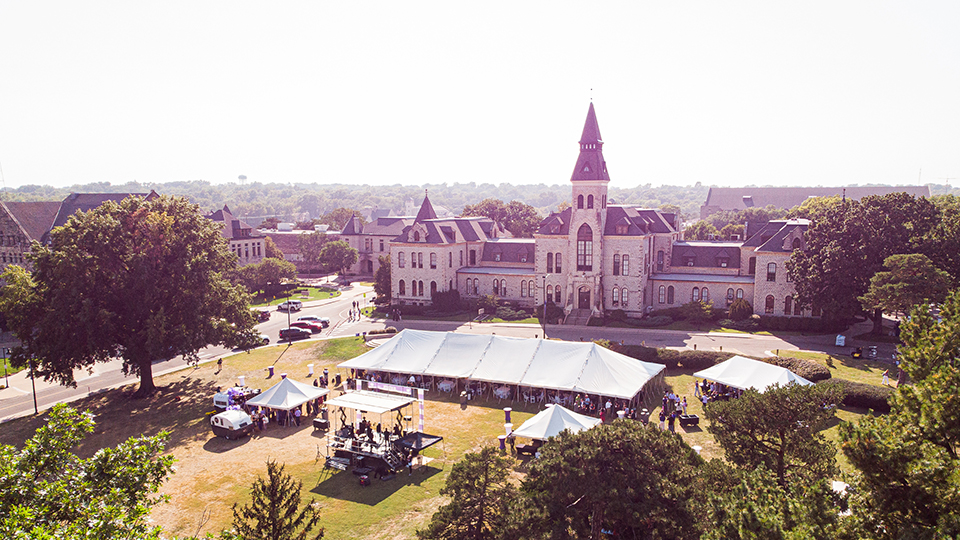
column 297, row 202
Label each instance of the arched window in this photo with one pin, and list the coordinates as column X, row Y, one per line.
column 550, row 293
column 616, row 296
column 768, row 306
column 420, row 259
column 787, row 305
column 401, row 260
column 558, row 262
column 416, row 236
column 696, row 294
column 660, row 261
column 663, row 295
column 557, row 299
column 623, row 296
column 739, row 293
column 433, row 288
column 580, row 201
column 729, row 296
column 797, row 308
column 503, row 287
column 589, row 201
column 523, row 289
column 625, row 265
column 616, row 264
column 796, row 243
column 476, row 286
column 584, row 248
column 705, row 295
column 530, row 288
column 772, row 271
column 496, row 287
column 549, row 263
column 403, row 287
column 433, row 261
column 670, row 294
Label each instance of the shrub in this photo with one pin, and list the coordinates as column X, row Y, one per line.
column 808, row 369
column 746, row 325
column 446, row 301
column 554, row 312
column 489, row 303
column 675, row 313
column 867, row 396
column 387, row 330
column 595, row 321
column 697, row 360
column 740, row 309
column 510, row 314
column 645, row 354
column 650, row 322
column 617, row 315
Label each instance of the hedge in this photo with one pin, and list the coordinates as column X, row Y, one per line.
column 671, row 358
column 387, row 330
column 866, row 396
column 808, row 369
column 650, row 322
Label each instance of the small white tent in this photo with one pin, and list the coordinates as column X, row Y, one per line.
column 553, row 420
column 744, row 373
column 286, row 395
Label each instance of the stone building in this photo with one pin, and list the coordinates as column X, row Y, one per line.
column 245, row 242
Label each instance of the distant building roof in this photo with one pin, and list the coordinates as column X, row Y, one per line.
column 719, row 198
column 35, row 218
column 706, row 254
column 426, row 210
column 706, row 278
column 233, row 227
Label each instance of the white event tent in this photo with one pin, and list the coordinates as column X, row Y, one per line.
column 744, row 373
column 536, row 363
column 553, row 420
column 286, row 395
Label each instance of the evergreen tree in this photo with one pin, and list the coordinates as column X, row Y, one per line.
column 275, row 512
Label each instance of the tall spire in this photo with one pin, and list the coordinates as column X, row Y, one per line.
column 426, row 209
column 590, row 163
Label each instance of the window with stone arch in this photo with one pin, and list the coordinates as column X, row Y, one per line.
column 730, row 296
column 523, row 289
column 420, row 286
column 403, row 287
column 772, row 271
column 531, row 288
column 549, row 263
column 496, row 287
column 623, row 296
column 616, row 264
column 696, row 294
column 663, row 295
column 558, row 260
column 796, row 243
column 660, row 261
column 616, row 296
column 589, row 201
column 557, row 299
column 768, row 305
column 625, row 265
column 584, row 248
column 739, row 293
column 550, row 292
column 433, row 289
column 580, row 202
column 401, row 260
column 476, row 286
column 670, row 294
column 503, row 287
column 787, row 305
column 416, row 236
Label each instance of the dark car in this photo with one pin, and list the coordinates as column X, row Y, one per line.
column 322, row 321
column 263, row 315
column 290, row 334
column 312, row 326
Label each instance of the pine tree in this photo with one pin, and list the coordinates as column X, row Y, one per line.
column 274, row 513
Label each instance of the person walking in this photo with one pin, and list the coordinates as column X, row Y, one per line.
column 886, row 380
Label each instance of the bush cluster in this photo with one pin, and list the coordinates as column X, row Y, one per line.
column 554, row 313
column 617, row 315
column 740, row 310
column 446, row 301
column 867, row 396
column 799, row 324
column 651, row 322
column 745, row 325
column 808, row 369
column 387, row 330
column 509, row 314
column 695, row 360
column 595, row 321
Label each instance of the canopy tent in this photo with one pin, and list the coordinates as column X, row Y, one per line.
column 371, row 402
column 286, row 395
column 537, row 363
column 553, row 420
column 744, row 373
column 418, row 441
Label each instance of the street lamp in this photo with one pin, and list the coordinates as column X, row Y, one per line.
column 543, row 320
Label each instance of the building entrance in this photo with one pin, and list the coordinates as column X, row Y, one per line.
column 583, row 298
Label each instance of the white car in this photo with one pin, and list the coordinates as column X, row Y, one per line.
column 290, row 305
column 322, row 321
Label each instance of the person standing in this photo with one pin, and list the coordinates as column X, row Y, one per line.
column 886, row 380
column 663, row 417
column 684, row 405
column 671, row 420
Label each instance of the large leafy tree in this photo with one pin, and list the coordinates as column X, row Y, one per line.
column 382, row 283
column 309, row 246
column 276, row 511
column 481, row 500
column 338, row 254
column 847, row 243
column 267, row 274
column 700, row 230
column 140, row 279
column 519, row 218
column 337, row 219
column 779, row 429
column 639, row 482
column 943, row 242
column 908, row 461
column 46, row 491
column 271, row 250
column 910, row 280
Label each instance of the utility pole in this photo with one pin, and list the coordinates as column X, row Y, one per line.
column 543, row 320
column 6, row 378
column 33, row 383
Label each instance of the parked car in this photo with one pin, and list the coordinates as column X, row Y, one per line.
column 265, row 339
column 290, row 305
column 313, row 327
column 290, row 334
column 322, row 321
column 263, row 315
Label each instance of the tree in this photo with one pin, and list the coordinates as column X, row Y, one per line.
column 740, row 309
column 309, row 247
column 779, row 429
column 338, row 254
column 382, row 284
column 269, row 223
column 337, row 219
column 639, row 482
column 274, row 512
column 846, row 245
column 267, row 274
column 911, row 281
column 942, row 244
column 521, row 219
column 700, row 230
column 46, row 491
column 481, row 500
column 271, row 250
column 697, row 312
column 907, row 461
column 140, row 279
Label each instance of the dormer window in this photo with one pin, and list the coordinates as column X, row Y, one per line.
column 496, row 257
column 722, row 262
column 416, row 236
column 523, row 256
column 622, row 229
column 689, row 261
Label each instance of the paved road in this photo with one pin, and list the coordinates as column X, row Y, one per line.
column 18, row 400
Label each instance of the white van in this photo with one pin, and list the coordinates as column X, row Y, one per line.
column 290, row 305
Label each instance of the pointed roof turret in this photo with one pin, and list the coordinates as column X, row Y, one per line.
column 426, row 209
column 590, row 164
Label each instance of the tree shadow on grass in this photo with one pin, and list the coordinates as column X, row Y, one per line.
column 219, row 445
column 343, row 485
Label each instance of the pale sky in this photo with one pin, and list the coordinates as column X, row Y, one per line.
column 723, row 93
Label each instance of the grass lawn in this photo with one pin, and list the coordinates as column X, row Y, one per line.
column 313, row 293
column 845, row 367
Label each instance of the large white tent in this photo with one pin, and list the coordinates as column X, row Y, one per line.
column 553, row 420
column 537, row 363
column 744, row 373
column 286, row 395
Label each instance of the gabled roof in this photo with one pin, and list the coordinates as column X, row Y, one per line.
column 705, row 254
column 454, row 230
column 84, row 202
column 788, row 197
column 743, row 373
column 353, row 226
column 233, row 227
column 553, row 420
column 770, row 237
column 287, row 394
column 557, row 223
column 35, row 218
column 510, row 250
